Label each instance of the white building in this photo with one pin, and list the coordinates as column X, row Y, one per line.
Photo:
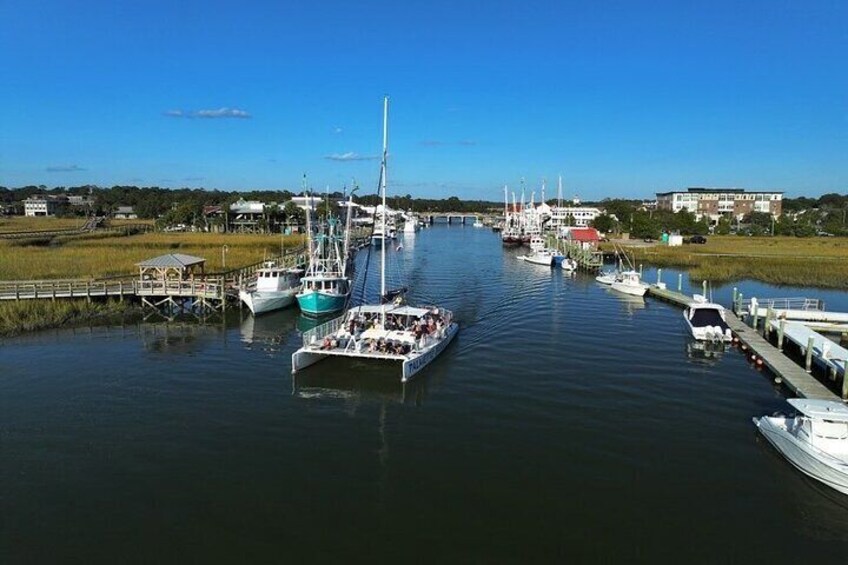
column 577, row 216
column 716, row 202
column 43, row 205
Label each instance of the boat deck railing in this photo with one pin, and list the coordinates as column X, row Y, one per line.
column 320, row 332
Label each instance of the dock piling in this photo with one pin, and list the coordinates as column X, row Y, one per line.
column 756, row 320
column 766, row 325
column 780, row 331
column 808, row 356
column 679, row 282
column 659, row 276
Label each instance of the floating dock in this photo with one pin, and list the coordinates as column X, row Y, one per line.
column 794, row 376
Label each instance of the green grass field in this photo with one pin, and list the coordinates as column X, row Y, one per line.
column 105, row 254
column 818, row 262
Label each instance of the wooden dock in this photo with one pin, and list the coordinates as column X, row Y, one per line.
column 793, row 375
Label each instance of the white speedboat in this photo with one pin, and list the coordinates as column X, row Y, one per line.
column 707, row 321
column 478, row 224
column 568, row 264
column 275, row 287
column 607, row 277
column 815, row 441
column 386, row 331
column 630, row 282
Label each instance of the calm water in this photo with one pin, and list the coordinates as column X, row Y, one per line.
column 564, row 421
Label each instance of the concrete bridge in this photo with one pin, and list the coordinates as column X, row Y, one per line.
column 453, row 218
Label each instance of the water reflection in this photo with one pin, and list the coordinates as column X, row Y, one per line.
column 704, row 351
column 358, row 382
column 268, row 331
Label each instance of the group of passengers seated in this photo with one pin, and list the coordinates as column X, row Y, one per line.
column 388, row 346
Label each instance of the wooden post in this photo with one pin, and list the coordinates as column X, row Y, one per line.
column 704, row 288
column 121, row 290
column 679, row 282
column 808, row 355
column 766, row 328
column 88, row 291
column 780, row 332
column 734, row 296
column 756, row 319
column 640, row 270
column 844, row 385
column 739, row 304
column 659, row 276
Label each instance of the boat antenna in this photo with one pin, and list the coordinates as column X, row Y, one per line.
column 383, row 189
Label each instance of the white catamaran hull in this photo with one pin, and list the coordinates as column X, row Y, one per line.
column 305, row 357
column 412, row 366
column 805, row 458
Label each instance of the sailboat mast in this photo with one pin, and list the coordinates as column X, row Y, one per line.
column 309, row 241
column 346, row 249
column 383, row 189
column 559, row 193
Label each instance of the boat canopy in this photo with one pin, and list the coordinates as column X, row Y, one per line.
column 390, row 309
column 832, row 410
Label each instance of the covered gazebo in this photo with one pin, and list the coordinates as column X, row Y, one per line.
column 171, row 266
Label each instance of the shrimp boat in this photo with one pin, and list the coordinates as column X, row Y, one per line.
column 275, row 287
column 815, row 441
column 388, row 331
column 325, row 288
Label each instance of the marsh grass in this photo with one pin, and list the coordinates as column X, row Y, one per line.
column 107, row 254
column 817, row 262
column 36, row 223
column 33, row 315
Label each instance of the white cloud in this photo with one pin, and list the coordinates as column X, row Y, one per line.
column 64, row 169
column 349, row 156
column 214, row 113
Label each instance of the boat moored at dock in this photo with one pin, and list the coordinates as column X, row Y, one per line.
column 630, row 282
column 815, row 441
column 707, row 321
column 275, row 287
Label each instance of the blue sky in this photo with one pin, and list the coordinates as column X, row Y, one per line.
column 622, row 98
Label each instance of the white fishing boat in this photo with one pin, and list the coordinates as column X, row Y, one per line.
column 410, row 226
column 630, row 282
column 478, row 224
column 815, row 441
column 387, row 331
column 275, row 287
column 707, row 321
column 607, row 277
column 542, row 257
column 568, row 264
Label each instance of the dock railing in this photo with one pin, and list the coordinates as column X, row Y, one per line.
column 320, row 332
column 798, row 303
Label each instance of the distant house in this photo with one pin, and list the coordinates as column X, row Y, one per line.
column 44, row 205
column 80, row 200
column 309, row 203
column 125, row 213
column 588, row 238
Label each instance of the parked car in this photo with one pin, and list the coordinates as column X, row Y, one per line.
column 697, row 239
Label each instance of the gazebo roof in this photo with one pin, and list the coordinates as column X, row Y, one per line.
column 172, row 260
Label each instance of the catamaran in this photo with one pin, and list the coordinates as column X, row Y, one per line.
column 325, row 288
column 388, row 331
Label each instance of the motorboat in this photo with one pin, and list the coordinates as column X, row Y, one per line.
column 478, row 224
column 537, row 243
column 568, row 264
column 607, row 277
column 815, row 440
column 707, row 321
column 274, row 287
column 630, row 282
column 387, row 331
column 542, row 257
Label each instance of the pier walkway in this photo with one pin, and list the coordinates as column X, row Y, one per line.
column 794, row 376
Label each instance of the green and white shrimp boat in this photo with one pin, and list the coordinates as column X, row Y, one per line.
column 325, row 288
